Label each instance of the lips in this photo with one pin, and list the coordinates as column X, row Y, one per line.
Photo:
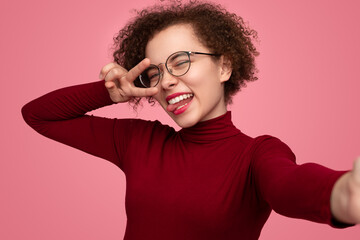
column 178, row 101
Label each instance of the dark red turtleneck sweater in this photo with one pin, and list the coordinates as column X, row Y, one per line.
column 209, row 181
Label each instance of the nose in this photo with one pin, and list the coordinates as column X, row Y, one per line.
column 167, row 80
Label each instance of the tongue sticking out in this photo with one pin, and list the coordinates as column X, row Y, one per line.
column 172, row 107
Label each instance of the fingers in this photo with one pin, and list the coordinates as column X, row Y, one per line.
column 110, row 85
column 114, row 75
column 356, row 170
column 137, row 70
column 106, row 69
column 119, row 81
column 131, row 75
column 143, row 92
column 114, row 93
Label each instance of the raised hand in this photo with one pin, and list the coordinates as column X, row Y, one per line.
column 120, row 82
column 354, row 192
column 345, row 199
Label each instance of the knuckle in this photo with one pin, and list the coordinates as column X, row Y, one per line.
column 122, row 79
column 106, row 68
column 127, row 92
column 115, row 71
column 119, row 71
column 112, row 68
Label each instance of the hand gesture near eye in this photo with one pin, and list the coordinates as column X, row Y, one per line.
column 120, row 82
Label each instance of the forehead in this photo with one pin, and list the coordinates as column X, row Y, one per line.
column 175, row 38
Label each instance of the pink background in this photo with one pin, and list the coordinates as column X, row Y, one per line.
column 307, row 95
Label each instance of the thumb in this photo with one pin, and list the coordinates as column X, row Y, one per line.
column 109, row 85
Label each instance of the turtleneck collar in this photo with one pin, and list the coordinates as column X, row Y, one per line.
column 211, row 130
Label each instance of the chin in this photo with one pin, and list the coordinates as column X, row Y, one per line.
column 185, row 125
column 185, row 122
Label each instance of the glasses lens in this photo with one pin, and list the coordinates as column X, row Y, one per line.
column 150, row 77
column 178, row 63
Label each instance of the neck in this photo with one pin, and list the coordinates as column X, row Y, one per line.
column 210, row 130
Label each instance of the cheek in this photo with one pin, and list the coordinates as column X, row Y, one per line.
column 204, row 69
column 206, row 80
column 196, row 77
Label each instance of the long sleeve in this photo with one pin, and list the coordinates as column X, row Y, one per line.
column 298, row 191
column 60, row 115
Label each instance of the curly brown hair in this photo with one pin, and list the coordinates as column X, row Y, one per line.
column 220, row 31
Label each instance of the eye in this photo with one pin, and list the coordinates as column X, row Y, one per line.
column 153, row 80
column 181, row 62
column 152, row 73
column 178, row 60
column 153, row 76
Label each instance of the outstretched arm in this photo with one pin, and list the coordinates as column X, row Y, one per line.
column 301, row 191
column 345, row 196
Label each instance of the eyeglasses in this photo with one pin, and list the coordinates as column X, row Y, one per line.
column 177, row 64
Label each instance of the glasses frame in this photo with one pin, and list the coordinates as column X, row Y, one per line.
column 161, row 73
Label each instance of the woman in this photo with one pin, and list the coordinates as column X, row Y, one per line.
column 208, row 180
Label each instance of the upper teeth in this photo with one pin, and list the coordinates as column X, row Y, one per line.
column 180, row 98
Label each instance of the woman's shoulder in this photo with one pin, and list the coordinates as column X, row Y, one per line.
column 271, row 146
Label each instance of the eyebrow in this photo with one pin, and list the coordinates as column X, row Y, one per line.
column 177, row 55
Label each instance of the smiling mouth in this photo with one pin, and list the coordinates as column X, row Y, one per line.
column 180, row 98
column 179, row 101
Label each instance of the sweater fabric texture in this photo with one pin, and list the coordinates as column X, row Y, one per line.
column 209, row 181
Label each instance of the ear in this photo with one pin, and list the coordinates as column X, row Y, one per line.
column 225, row 68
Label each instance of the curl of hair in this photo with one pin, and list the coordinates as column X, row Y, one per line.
column 220, row 31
